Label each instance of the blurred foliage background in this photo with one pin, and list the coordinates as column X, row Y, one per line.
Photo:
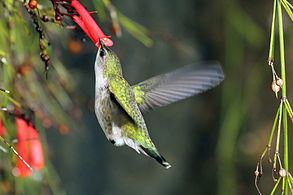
column 213, row 141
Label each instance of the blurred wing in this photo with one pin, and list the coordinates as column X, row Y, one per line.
column 122, row 94
column 184, row 82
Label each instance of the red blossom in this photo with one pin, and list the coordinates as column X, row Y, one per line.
column 89, row 26
column 29, row 147
column 2, row 129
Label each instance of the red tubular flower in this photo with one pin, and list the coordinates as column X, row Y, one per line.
column 2, row 129
column 89, row 26
column 29, row 147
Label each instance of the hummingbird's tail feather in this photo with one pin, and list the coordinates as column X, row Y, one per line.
column 155, row 155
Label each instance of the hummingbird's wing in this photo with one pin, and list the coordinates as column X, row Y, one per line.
column 179, row 84
column 122, row 93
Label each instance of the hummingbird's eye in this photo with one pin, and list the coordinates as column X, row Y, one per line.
column 102, row 52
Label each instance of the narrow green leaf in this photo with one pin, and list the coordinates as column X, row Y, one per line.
column 135, row 29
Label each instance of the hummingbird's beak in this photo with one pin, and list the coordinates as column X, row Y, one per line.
column 101, row 55
column 103, row 49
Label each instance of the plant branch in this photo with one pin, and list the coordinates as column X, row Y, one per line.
column 284, row 91
column 272, row 39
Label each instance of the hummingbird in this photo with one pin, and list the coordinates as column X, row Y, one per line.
column 119, row 106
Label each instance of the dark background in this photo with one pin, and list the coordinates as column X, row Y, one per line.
column 213, row 140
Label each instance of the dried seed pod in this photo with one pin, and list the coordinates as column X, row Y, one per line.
column 275, row 88
column 279, row 82
column 33, row 4
column 282, row 172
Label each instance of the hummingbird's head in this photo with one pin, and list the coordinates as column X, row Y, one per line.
column 102, row 54
column 107, row 60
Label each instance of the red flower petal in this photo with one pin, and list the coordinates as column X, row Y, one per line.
column 89, row 26
column 80, row 23
column 2, row 129
column 29, row 148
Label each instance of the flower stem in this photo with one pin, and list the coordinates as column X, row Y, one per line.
column 282, row 49
column 283, row 76
column 272, row 40
column 278, row 137
column 274, row 127
column 275, row 186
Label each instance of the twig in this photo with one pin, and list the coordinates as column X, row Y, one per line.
column 16, row 153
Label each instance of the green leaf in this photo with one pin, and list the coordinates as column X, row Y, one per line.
column 135, row 29
column 99, row 6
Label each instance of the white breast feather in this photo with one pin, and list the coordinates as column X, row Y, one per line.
column 101, row 82
column 121, row 140
column 117, row 135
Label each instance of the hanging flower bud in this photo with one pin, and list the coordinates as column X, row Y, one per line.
column 89, row 26
column 2, row 129
column 29, row 148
